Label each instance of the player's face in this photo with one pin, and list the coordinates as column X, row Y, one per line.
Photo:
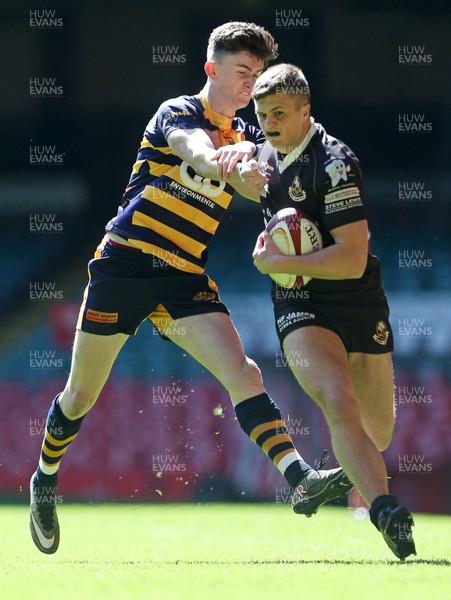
column 285, row 120
column 233, row 77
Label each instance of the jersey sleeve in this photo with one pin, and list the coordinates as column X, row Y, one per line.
column 255, row 135
column 341, row 192
column 178, row 113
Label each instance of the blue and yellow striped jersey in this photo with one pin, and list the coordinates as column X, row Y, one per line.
column 167, row 208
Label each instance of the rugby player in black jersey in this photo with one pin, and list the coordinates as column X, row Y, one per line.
column 339, row 320
column 150, row 266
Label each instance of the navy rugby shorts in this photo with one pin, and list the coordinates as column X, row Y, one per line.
column 127, row 286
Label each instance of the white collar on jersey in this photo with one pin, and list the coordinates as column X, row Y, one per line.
column 292, row 156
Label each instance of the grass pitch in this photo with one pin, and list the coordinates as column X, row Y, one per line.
column 219, row 552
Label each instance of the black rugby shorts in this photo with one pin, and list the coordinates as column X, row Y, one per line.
column 361, row 328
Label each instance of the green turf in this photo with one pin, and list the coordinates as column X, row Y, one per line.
column 216, row 552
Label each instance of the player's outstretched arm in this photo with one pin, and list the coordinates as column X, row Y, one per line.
column 196, row 147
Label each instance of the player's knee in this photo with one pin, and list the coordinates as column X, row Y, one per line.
column 244, row 379
column 382, row 442
column 382, row 431
column 77, row 402
column 382, row 438
column 250, row 371
column 335, row 401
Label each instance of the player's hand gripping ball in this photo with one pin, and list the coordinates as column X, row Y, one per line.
column 294, row 233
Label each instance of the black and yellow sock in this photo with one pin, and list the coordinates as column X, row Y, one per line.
column 59, row 433
column 260, row 418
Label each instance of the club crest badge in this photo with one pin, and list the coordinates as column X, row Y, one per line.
column 382, row 333
column 295, row 190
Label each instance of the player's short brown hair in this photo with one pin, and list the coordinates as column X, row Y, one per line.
column 237, row 36
column 282, row 79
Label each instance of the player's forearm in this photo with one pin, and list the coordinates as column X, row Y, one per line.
column 209, row 169
column 195, row 149
column 246, row 191
column 203, row 164
column 333, row 262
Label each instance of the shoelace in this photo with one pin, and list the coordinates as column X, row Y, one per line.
column 322, row 461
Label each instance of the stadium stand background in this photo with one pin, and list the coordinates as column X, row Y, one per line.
column 163, row 428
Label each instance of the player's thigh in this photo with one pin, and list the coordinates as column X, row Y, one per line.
column 212, row 339
column 372, row 377
column 92, row 359
column 319, row 362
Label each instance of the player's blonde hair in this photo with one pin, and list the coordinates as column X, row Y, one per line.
column 237, row 36
column 282, row 79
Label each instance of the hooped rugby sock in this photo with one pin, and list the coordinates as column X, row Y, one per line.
column 60, row 432
column 261, row 420
column 378, row 504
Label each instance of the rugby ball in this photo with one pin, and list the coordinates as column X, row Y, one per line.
column 294, row 233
